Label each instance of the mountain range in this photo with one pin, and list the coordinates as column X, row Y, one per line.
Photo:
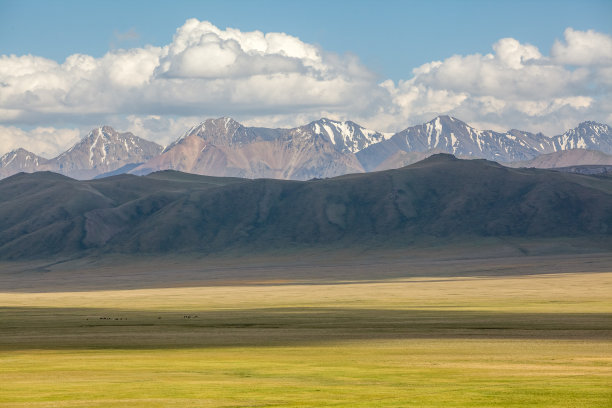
column 224, row 147
column 320, row 149
column 47, row 215
column 103, row 150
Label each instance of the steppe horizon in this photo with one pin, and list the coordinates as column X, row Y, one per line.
column 321, row 204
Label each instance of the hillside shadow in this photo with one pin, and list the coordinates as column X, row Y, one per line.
column 86, row 328
column 311, row 269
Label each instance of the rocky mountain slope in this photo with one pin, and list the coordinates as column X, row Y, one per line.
column 445, row 134
column 102, row 150
column 347, row 137
column 588, row 135
column 224, row 147
column 449, row 135
column 19, row 160
column 49, row 215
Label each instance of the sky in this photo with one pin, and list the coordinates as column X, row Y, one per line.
column 157, row 68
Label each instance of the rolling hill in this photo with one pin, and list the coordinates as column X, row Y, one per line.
column 440, row 198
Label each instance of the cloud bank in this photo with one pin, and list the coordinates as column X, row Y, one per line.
column 275, row 79
column 44, row 141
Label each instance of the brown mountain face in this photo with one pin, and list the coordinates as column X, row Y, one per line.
column 566, row 158
column 224, row 147
column 102, row 150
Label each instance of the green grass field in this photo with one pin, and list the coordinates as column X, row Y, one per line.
column 529, row 340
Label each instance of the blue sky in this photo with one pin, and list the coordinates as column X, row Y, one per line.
column 155, row 68
column 390, row 37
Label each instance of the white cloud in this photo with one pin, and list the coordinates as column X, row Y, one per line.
column 583, row 48
column 513, row 54
column 47, row 142
column 513, row 87
column 275, row 79
column 162, row 129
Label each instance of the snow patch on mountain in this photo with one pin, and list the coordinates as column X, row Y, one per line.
column 19, row 160
column 347, row 136
column 588, row 135
column 321, row 148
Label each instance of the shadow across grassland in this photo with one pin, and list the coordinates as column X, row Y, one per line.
column 313, row 268
column 83, row 328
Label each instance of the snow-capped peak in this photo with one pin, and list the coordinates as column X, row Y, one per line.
column 347, row 136
column 588, row 135
column 219, row 130
column 20, row 159
column 104, row 147
column 223, row 123
column 590, row 126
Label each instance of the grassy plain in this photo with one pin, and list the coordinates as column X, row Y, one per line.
column 506, row 332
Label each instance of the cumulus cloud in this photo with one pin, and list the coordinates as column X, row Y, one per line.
column 583, row 48
column 203, row 67
column 514, row 86
column 276, row 79
column 201, row 50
